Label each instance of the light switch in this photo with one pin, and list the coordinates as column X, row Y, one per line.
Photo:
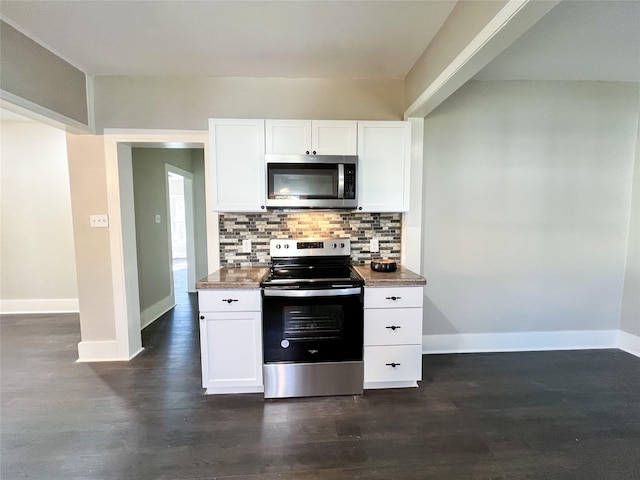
column 158, row 220
column 99, row 221
column 246, row 246
column 374, row 247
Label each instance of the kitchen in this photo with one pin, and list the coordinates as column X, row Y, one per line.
column 359, row 168
column 506, row 268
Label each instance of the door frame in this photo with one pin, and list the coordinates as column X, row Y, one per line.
column 189, row 222
column 122, row 239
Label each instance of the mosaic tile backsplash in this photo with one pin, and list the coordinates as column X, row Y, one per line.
column 261, row 227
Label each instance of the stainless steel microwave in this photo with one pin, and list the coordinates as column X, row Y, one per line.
column 311, row 181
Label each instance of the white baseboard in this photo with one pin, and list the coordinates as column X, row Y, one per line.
column 520, row 342
column 151, row 314
column 40, row 305
column 629, row 343
column 101, row 351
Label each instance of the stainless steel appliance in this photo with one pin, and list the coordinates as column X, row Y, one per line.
column 311, row 181
column 312, row 320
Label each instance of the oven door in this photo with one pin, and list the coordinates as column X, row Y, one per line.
column 315, row 325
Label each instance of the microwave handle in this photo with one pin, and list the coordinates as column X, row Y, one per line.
column 341, row 180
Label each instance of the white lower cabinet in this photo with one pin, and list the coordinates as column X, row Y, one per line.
column 392, row 337
column 231, row 341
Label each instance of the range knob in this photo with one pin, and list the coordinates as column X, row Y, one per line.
column 335, row 245
column 286, row 245
column 278, row 246
column 342, row 245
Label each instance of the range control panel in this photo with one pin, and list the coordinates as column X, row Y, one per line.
column 286, row 247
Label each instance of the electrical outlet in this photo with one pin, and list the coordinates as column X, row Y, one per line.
column 158, row 218
column 246, row 246
column 98, row 221
column 374, row 247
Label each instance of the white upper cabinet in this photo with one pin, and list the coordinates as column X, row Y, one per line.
column 384, row 154
column 320, row 137
column 334, row 137
column 237, row 152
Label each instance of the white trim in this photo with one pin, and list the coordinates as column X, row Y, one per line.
column 520, row 341
column 629, row 343
column 486, row 42
column 125, row 289
column 189, row 211
column 91, row 110
column 231, row 390
column 41, row 114
column 379, row 385
column 40, row 305
column 102, row 351
column 151, row 314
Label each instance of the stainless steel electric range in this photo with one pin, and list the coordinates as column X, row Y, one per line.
column 312, row 320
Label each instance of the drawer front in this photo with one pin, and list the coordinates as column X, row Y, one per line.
column 246, row 300
column 379, row 363
column 393, row 297
column 390, row 326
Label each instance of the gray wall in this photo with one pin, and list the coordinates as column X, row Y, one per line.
column 153, row 239
column 33, row 73
column 187, row 103
column 527, row 190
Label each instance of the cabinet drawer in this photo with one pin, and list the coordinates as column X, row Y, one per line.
column 392, row 297
column 246, row 300
column 390, row 326
column 379, row 363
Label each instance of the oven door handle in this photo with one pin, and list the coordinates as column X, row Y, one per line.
column 329, row 292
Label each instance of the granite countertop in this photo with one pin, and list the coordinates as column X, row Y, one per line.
column 402, row 277
column 229, row 277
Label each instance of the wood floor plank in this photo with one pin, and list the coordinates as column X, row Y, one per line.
column 529, row 415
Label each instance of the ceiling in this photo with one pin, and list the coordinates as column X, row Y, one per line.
column 375, row 39
column 315, row 39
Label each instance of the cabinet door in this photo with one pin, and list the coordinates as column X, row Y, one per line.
column 288, row 137
column 384, row 151
column 237, row 165
column 393, row 297
column 231, row 352
column 392, row 326
column 393, row 363
column 334, row 137
column 220, row 301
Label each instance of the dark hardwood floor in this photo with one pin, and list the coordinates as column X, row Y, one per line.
column 545, row 415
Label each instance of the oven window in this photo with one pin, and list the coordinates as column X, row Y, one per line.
column 309, row 323
column 302, row 181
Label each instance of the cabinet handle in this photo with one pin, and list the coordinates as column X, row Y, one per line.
column 393, row 364
column 262, row 207
column 393, row 298
column 201, row 317
column 314, row 152
column 229, row 300
column 307, row 152
column 393, row 327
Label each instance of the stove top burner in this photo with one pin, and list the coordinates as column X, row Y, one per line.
column 323, row 263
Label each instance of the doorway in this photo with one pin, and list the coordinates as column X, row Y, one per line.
column 180, row 207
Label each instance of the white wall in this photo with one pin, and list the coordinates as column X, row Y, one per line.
column 630, row 311
column 38, row 272
column 527, row 190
